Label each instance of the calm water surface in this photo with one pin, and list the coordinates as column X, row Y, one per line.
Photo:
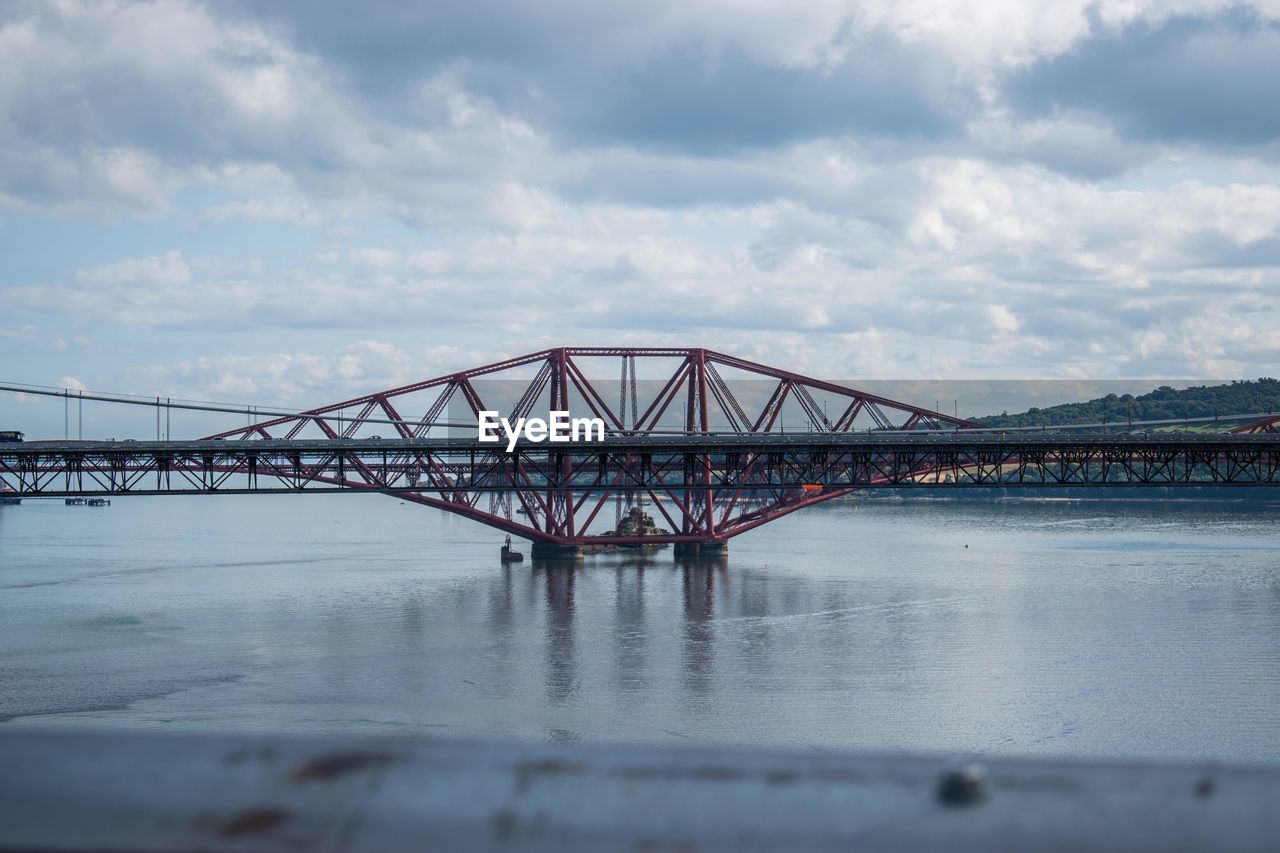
column 1118, row 629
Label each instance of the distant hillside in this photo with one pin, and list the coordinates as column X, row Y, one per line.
column 1164, row 402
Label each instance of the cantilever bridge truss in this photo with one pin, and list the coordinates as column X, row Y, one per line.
column 1270, row 424
column 708, row 462
column 529, row 493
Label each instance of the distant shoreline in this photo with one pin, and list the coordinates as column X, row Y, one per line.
column 1038, row 494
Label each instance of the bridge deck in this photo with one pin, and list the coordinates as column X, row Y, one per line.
column 702, row 489
column 641, row 463
column 915, row 441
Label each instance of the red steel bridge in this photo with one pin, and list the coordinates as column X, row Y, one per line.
column 703, row 448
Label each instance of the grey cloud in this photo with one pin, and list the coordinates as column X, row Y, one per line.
column 361, row 112
column 591, row 74
column 1188, row 80
column 1081, row 146
column 1212, row 249
column 625, row 175
column 683, row 100
column 580, row 175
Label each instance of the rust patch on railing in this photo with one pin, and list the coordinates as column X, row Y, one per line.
column 326, row 767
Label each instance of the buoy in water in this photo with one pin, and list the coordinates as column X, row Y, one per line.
column 509, row 555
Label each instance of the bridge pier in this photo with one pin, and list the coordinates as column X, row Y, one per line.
column 555, row 551
column 701, row 549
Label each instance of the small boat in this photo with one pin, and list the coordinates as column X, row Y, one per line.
column 74, row 502
column 97, row 502
column 8, row 497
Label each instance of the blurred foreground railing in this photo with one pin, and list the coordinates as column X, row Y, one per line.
column 87, row 791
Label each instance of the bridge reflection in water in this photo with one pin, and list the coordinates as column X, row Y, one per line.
column 698, row 579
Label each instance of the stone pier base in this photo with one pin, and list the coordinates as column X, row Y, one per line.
column 701, row 549
column 552, row 551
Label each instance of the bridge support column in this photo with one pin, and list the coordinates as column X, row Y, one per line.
column 701, row 549
column 554, row 551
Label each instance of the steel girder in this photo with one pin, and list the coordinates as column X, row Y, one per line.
column 768, row 475
column 1267, row 424
column 692, row 395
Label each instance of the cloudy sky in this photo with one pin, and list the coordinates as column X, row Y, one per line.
column 288, row 203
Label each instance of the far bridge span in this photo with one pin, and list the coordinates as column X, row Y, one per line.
column 691, row 452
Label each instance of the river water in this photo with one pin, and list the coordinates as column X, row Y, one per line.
column 1046, row 627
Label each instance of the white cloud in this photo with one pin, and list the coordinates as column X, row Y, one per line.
column 1002, row 319
column 472, row 201
column 164, row 270
column 21, row 333
column 299, row 378
column 295, row 210
column 1042, row 260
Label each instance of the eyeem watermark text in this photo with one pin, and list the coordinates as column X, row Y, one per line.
column 558, row 428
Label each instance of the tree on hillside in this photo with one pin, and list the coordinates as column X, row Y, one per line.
column 1164, row 403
